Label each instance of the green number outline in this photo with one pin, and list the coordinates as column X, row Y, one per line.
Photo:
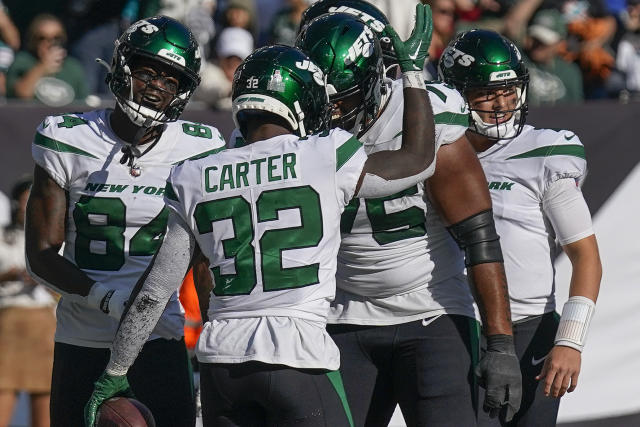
column 275, row 279
column 269, row 203
column 205, row 214
column 145, row 242
column 196, row 129
column 385, row 225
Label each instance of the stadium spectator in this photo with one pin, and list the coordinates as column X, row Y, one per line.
column 628, row 53
column 9, row 42
column 232, row 47
column 285, row 24
column 6, row 59
column 9, row 34
column 242, row 14
column 197, row 15
column 93, row 26
column 44, row 71
column 590, row 30
column 444, row 16
column 552, row 79
column 27, row 323
column 484, row 14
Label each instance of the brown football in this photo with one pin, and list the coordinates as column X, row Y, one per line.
column 124, row 412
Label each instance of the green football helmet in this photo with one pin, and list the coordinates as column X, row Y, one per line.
column 281, row 80
column 161, row 39
column 481, row 59
column 348, row 52
column 365, row 11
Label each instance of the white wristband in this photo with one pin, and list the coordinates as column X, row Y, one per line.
column 109, row 301
column 413, row 79
column 574, row 322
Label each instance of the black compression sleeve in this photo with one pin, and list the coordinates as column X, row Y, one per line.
column 478, row 238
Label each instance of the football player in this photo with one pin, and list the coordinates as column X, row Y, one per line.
column 98, row 190
column 267, row 216
column 534, row 177
column 403, row 316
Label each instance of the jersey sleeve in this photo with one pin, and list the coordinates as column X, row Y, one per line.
column 52, row 154
column 350, row 159
column 450, row 113
column 175, row 196
column 564, row 159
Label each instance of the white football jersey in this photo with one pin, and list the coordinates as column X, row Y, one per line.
column 397, row 261
column 267, row 217
column 116, row 221
column 519, row 171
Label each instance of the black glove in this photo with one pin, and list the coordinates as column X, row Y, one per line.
column 499, row 374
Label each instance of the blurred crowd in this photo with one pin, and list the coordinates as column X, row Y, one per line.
column 575, row 49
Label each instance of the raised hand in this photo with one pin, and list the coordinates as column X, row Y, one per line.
column 413, row 53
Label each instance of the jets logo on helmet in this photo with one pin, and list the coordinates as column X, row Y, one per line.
column 452, row 56
column 318, row 76
column 363, row 46
column 372, row 22
column 142, row 25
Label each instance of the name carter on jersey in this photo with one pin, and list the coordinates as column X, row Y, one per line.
column 244, row 174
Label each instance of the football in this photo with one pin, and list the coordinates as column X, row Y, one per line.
column 124, row 412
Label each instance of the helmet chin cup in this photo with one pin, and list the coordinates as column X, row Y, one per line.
column 140, row 114
column 505, row 130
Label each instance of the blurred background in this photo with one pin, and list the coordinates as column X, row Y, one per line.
column 584, row 61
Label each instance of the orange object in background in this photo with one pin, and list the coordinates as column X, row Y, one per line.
column 193, row 320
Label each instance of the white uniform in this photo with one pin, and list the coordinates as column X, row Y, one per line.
column 519, row 171
column 397, row 262
column 272, row 210
column 116, row 221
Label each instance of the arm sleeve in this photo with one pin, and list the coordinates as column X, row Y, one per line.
column 564, row 205
column 162, row 279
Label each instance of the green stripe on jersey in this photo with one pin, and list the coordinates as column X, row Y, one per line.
column 61, row 147
column 336, row 381
column 553, row 150
column 437, row 93
column 170, row 192
column 346, row 151
column 201, row 155
column 448, row 118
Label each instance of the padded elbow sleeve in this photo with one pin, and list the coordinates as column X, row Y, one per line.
column 478, row 238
